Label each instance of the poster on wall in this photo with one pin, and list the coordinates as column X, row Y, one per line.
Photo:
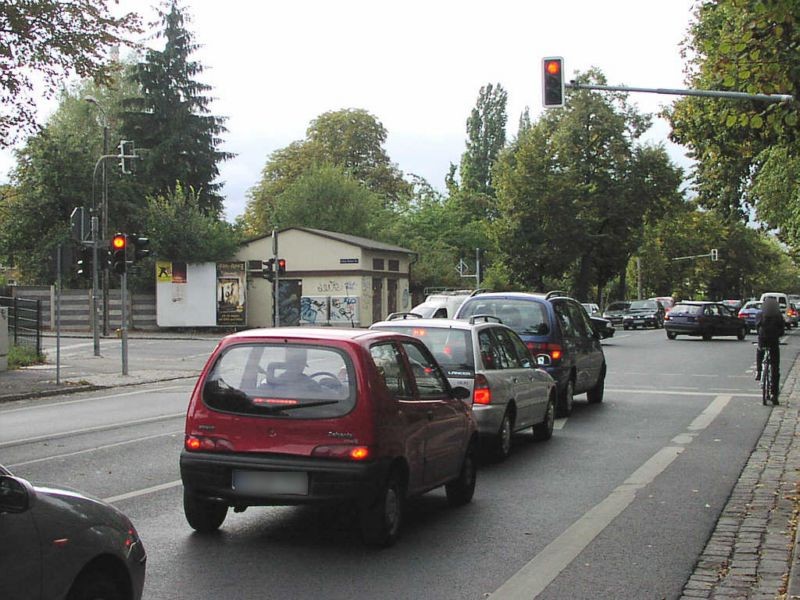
column 231, row 286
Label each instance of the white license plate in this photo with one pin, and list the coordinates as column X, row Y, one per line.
column 270, row 482
column 639, row 321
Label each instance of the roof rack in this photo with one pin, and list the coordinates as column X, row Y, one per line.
column 554, row 293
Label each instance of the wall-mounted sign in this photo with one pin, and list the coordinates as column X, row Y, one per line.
column 348, row 261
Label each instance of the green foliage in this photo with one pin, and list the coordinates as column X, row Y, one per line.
column 169, row 119
column 23, row 356
column 44, row 41
column 486, row 137
column 180, row 230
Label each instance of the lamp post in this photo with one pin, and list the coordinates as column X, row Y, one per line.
column 104, row 208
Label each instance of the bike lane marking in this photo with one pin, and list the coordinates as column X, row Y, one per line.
column 542, row 569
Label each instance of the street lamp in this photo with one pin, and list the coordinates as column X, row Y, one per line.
column 104, row 209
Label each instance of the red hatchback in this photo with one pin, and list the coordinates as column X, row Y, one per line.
column 302, row 415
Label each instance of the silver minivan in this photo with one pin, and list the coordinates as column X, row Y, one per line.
column 509, row 392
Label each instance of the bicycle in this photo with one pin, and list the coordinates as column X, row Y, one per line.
column 769, row 390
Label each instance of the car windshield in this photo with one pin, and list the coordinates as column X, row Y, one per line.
column 617, row 306
column 686, row 309
column 283, row 380
column 753, row 306
column 452, row 348
column 425, row 310
column 526, row 317
column 643, row 305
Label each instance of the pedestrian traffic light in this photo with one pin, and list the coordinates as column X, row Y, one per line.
column 553, row 81
column 84, row 263
column 268, row 269
column 119, row 246
column 141, row 246
column 281, row 266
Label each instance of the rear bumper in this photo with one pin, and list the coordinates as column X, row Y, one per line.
column 488, row 418
column 329, row 480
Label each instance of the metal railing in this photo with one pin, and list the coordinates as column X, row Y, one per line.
column 24, row 322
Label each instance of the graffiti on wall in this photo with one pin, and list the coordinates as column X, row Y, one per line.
column 344, row 309
column 313, row 309
column 336, row 286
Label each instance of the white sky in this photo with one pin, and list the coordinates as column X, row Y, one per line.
column 416, row 65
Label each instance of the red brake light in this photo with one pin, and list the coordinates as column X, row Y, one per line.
column 554, row 350
column 194, row 443
column 481, row 394
column 343, row 451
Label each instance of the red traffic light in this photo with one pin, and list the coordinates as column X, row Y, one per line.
column 281, row 266
column 553, row 67
column 553, row 81
column 118, row 242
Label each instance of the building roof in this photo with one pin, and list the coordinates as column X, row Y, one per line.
column 353, row 240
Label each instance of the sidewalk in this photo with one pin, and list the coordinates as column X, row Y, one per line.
column 753, row 552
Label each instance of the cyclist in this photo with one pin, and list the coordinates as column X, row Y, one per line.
column 770, row 327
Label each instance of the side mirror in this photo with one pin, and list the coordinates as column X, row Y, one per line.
column 543, row 360
column 16, row 495
column 461, row 393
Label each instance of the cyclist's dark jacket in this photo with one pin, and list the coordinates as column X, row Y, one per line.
column 770, row 328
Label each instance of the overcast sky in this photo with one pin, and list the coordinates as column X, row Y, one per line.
column 416, row 65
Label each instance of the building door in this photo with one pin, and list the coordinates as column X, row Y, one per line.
column 377, row 299
column 391, row 293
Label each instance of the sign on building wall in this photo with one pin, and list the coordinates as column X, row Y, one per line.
column 186, row 294
column 231, row 291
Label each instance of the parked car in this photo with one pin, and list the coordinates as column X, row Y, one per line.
column 509, row 393
column 749, row 312
column 289, row 416
column 792, row 314
column 615, row 311
column 558, row 326
column 705, row 319
column 60, row 543
column 644, row 313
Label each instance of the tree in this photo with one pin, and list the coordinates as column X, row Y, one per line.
column 486, row 137
column 52, row 39
column 170, row 119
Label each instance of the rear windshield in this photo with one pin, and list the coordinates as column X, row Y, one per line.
column 526, row 317
column 452, row 348
column 643, row 305
column 686, row 309
column 281, row 380
column 754, row 305
column 618, row 306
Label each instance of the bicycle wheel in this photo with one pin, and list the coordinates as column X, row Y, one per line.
column 766, row 380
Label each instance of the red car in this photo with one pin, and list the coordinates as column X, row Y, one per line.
column 303, row 415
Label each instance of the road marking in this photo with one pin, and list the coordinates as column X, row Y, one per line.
column 143, row 492
column 94, row 449
column 94, row 398
column 559, row 423
column 681, row 393
column 106, row 427
column 542, row 569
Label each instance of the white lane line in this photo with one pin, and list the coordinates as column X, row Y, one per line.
column 94, row 398
column 559, row 423
column 542, row 569
column 143, row 492
column 680, row 393
column 108, row 426
column 93, row 449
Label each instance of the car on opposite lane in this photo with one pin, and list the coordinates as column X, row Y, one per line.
column 749, row 312
column 644, row 313
column 703, row 319
column 288, row 416
column 509, row 393
column 615, row 312
column 61, row 543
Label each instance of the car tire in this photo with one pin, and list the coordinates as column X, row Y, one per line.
column 595, row 395
column 460, row 490
column 566, row 399
column 742, row 334
column 544, row 431
column 671, row 335
column 503, row 441
column 382, row 518
column 204, row 516
column 706, row 336
column 94, row 584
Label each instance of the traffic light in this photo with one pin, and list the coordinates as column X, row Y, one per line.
column 85, row 262
column 553, row 81
column 127, row 153
column 268, row 269
column 141, row 247
column 281, row 266
column 119, row 246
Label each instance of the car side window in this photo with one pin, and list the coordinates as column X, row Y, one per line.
column 430, row 380
column 506, row 347
column 523, row 352
column 390, row 366
column 581, row 320
column 489, row 352
column 565, row 320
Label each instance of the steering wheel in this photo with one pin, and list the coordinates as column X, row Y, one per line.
column 327, row 379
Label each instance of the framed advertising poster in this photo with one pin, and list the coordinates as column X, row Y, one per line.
column 231, row 291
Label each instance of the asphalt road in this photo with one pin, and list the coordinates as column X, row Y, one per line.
column 618, row 504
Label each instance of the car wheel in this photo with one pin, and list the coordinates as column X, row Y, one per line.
column 742, row 334
column 503, row 440
column 706, row 336
column 96, row 585
column 595, row 395
column 382, row 518
column 461, row 490
column 671, row 335
column 544, row 431
column 565, row 403
column 204, row 516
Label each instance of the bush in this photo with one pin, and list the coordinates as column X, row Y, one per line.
column 21, row 356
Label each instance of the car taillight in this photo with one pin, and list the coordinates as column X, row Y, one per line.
column 481, row 393
column 666, row 317
column 554, row 350
column 342, row 451
column 742, row 314
column 202, row 443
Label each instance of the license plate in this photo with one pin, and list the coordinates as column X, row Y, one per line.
column 270, row 482
column 639, row 321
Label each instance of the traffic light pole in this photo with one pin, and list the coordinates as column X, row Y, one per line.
column 124, row 327
column 680, row 92
column 95, row 254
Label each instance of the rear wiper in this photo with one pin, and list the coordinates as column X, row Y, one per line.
column 282, row 407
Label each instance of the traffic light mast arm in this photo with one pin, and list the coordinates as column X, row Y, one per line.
column 682, row 92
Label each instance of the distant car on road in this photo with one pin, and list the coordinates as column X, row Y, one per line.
column 615, row 311
column 749, row 312
column 509, row 392
column 60, row 543
column 703, row 319
column 666, row 301
column 644, row 313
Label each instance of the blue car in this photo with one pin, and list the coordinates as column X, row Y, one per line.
column 749, row 312
column 555, row 325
